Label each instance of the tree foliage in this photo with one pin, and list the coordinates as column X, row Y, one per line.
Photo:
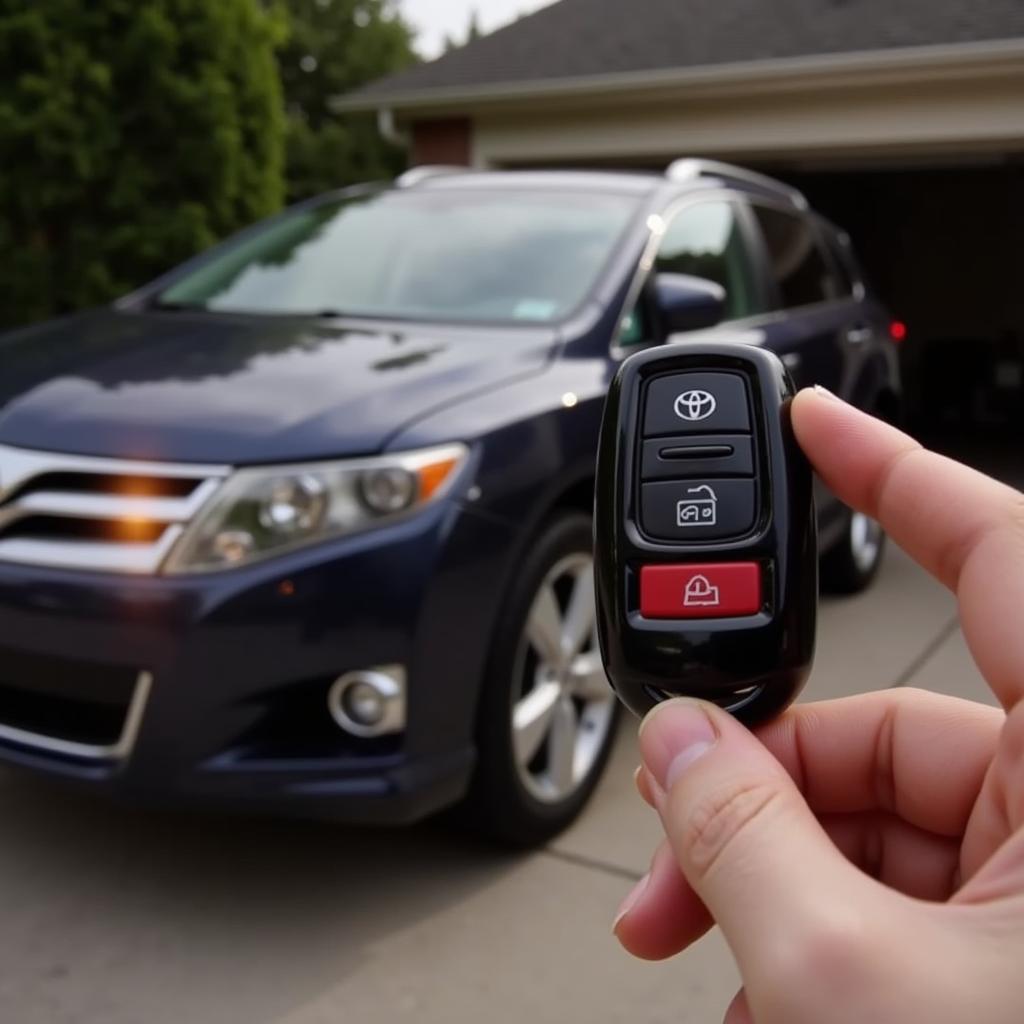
column 133, row 133
column 473, row 33
column 335, row 46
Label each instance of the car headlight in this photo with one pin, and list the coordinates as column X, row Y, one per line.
column 266, row 511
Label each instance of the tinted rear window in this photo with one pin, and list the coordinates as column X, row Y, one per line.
column 798, row 264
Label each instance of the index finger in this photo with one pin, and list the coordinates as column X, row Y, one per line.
column 962, row 526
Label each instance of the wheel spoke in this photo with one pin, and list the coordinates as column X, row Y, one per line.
column 532, row 719
column 587, row 677
column 544, row 628
column 562, row 747
column 579, row 616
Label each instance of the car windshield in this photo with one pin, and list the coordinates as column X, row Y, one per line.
column 444, row 254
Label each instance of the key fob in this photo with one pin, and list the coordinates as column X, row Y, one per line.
column 705, row 532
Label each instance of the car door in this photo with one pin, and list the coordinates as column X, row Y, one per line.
column 811, row 330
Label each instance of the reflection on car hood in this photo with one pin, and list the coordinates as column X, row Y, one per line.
column 194, row 387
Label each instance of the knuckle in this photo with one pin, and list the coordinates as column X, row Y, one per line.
column 829, row 961
column 834, row 955
column 720, row 818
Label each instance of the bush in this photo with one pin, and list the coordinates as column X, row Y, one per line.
column 133, row 133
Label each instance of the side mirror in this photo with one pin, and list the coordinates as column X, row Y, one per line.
column 686, row 303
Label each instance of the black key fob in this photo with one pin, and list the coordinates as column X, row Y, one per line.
column 705, row 532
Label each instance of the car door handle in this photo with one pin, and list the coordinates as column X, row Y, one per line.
column 858, row 335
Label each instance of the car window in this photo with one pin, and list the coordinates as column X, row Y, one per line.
column 798, row 263
column 456, row 255
column 707, row 241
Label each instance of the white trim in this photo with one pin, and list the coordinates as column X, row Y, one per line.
column 118, row 751
column 900, row 64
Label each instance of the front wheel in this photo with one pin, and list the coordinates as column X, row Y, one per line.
column 547, row 713
column 852, row 564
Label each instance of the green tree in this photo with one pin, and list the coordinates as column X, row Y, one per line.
column 473, row 33
column 133, row 133
column 335, row 46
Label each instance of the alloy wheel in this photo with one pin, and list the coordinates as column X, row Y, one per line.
column 865, row 541
column 563, row 706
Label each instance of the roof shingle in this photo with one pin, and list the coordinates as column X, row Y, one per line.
column 579, row 38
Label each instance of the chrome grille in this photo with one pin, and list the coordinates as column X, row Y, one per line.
column 80, row 512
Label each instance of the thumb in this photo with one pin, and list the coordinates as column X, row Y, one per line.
column 743, row 835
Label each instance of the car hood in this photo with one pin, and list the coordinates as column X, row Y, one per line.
column 193, row 387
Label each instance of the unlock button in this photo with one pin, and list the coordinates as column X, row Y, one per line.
column 694, row 510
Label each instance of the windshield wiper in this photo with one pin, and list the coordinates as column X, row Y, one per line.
column 167, row 306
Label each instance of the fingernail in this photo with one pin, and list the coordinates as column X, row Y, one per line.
column 631, row 900
column 672, row 737
column 825, row 393
column 643, row 786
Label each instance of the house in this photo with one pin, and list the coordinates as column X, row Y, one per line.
column 902, row 120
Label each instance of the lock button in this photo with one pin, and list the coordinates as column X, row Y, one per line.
column 727, row 590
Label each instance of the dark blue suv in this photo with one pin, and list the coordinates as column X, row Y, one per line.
column 305, row 524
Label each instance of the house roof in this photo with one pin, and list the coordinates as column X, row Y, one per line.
column 580, row 39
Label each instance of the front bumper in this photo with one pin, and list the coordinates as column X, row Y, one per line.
column 237, row 667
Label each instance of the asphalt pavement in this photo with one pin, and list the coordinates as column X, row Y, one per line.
column 120, row 916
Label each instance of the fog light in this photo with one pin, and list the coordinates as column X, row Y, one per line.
column 363, row 704
column 369, row 703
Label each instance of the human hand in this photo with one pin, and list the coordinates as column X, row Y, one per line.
column 863, row 857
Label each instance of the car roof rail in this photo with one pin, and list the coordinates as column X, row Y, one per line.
column 692, row 168
column 425, row 172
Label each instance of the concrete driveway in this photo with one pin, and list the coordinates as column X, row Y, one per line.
column 119, row 917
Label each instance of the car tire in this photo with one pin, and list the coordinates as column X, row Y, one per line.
column 852, row 563
column 547, row 718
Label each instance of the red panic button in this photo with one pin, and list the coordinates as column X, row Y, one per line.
column 700, row 591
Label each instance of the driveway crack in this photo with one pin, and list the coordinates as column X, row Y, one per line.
column 930, row 650
column 593, row 864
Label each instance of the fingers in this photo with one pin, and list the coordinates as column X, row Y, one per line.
column 998, row 814
column 965, row 528
column 920, row 755
column 893, row 777
column 740, row 831
column 662, row 915
column 911, row 861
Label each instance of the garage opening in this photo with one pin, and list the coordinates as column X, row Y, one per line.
column 943, row 246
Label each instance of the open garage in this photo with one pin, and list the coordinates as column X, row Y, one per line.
column 943, row 246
